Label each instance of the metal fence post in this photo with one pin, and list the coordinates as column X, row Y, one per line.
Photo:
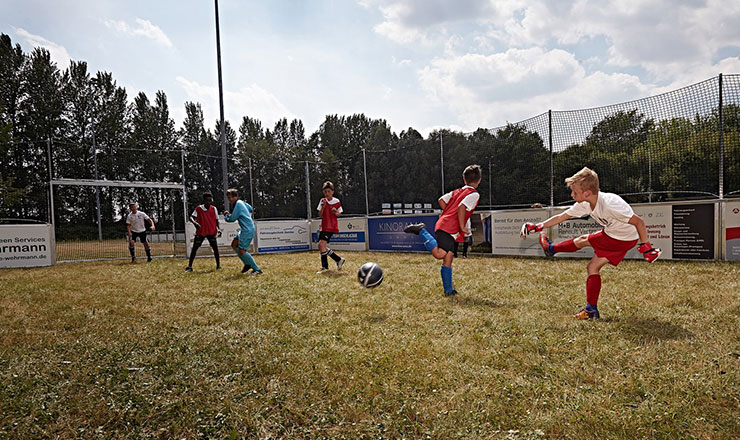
column 308, row 194
column 364, row 168
column 721, row 143
column 552, row 164
column 251, row 190
column 442, row 160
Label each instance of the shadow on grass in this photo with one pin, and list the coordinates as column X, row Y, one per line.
column 646, row 331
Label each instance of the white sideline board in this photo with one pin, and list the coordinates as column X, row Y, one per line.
column 26, row 246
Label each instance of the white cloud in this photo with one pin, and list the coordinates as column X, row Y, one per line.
column 143, row 28
column 57, row 52
column 252, row 101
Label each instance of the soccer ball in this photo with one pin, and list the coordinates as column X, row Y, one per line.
column 370, row 275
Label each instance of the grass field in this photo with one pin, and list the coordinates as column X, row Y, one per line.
column 115, row 350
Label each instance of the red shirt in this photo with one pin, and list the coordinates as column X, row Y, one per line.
column 329, row 219
column 207, row 219
column 448, row 221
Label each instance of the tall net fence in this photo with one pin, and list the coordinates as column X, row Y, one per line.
column 678, row 145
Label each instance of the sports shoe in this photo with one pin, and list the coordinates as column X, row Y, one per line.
column 148, row 259
column 255, row 272
column 340, row 263
column 454, row 292
column 246, row 268
column 188, row 269
column 546, row 244
column 133, row 259
column 588, row 312
column 219, row 267
column 322, row 270
column 414, row 229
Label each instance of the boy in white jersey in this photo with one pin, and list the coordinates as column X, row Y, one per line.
column 136, row 228
column 622, row 229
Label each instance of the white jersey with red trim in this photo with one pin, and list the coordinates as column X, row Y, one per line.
column 611, row 212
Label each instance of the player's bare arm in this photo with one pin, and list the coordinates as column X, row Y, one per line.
column 442, row 204
column 649, row 253
column 151, row 222
column 461, row 218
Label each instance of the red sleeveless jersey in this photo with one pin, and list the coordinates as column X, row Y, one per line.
column 448, row 221
column 207, row 220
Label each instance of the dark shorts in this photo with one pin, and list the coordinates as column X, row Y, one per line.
column 326, row 236
column 198, row 240
column 140, row 235
column 610, row 248
column 445, row 241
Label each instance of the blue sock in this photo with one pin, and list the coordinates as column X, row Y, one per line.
column 446, row 278
column 429, row 242
column 131, row 251
column 551, row 248
column 590, row 308
column 248, row 260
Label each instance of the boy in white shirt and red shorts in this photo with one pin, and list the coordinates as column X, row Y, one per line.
column 622, row 231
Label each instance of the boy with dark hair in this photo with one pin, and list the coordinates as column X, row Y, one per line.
column 330, row 208
column 205, row 219
column 622, row 229
column 457, row 207
column 136, row 228
column 243, row 214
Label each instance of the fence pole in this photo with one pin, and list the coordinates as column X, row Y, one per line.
column 308, row 194
column 364, row 168
column 251, row 190
column 174, row 232
column 650, row 172
column 95, row 161
column 490, row 183
column 442, row 160
column 51, row 204
column 721, row 143
column 184, row 202
column 552, row 166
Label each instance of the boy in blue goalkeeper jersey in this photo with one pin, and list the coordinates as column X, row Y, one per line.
column 242, row 213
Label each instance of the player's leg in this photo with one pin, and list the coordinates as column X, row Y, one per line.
column 572, row 245
column 455, row 249
column 430, row 243
column 245, row 256
column 147, row 249
column 214, row 245
column 131, row 248
column 330, row 253
column 324, row 254
column 235, row 246
column 446, row 273
column 197, row 241
column 593, row 288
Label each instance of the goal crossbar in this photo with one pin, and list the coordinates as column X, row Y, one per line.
column 117, row 183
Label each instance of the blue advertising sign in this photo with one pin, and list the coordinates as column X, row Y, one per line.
column 386, row 233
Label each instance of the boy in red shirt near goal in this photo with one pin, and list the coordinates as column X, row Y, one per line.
column 329, row 209
column 457, row 207
column 205, row 219
column 622, row 229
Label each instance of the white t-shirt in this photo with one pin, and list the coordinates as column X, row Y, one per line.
column 470, row 201
column 611, row 212
column 137, row 221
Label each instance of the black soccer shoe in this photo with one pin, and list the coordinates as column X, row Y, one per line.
column 453, row 293
column 414, row 229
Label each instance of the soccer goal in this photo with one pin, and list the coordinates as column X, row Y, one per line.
column 88, row 218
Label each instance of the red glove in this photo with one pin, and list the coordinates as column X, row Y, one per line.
column 528, row 228
column 649, row 253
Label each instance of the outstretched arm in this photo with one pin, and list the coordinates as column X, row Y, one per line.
column 639, row 224
column 528, row 228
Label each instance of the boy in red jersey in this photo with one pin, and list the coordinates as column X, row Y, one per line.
column 329, row 209
column 457, row 207
column 622, row 229
column 205, row 219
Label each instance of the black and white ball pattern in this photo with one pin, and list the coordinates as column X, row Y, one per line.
column 370, row 275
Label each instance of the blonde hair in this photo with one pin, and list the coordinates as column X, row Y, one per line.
column 586, row 179
column 233, row 192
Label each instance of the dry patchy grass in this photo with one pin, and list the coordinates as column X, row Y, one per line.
column 114, row 350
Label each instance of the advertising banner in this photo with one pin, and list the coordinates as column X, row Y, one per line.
column 732, row 230
column 506, row 226
column 26, row 246
column 386, row 233
column 693, row 231
column 282, row 236
column 351, row 236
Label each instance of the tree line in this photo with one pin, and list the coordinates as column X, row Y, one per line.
column 67, row 111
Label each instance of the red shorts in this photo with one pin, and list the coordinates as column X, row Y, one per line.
column 610, row 248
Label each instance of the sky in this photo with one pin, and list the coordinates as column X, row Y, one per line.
column 426, row 64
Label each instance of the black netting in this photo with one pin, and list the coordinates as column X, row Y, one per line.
column 731, row 134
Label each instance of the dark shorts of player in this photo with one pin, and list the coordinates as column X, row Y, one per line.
column 445, row 240
column 326, row 236
column 198, row 240
column 610, row 248
column 140, row 235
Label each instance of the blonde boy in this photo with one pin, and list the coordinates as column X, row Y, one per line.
column 622, row 229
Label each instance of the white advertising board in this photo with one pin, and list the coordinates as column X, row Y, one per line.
column 283, row 236
column 506, row 226
column 732, row 230
column 26, row 246
column 352, row 234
